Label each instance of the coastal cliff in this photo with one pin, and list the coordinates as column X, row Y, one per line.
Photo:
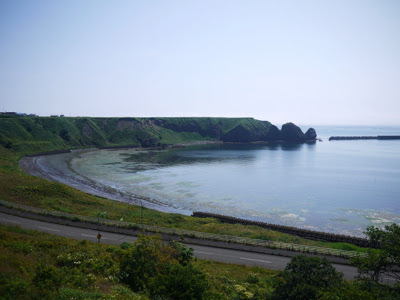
column 34, row 134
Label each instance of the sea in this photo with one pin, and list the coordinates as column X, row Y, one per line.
column 332, row 186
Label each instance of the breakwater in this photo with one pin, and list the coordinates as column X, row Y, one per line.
column 378, row 137
column 305, row 233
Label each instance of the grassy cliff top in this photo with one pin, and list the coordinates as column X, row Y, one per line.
column 27, row 135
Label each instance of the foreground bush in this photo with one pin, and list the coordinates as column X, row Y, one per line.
column 180, row 282
column 164, row 270
column 306, row 277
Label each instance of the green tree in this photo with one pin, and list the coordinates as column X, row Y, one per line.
column 383, row 263
column 305, row 277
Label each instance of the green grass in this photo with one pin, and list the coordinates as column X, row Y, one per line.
column 23, row 252
column 83, row 270
column 26, row 135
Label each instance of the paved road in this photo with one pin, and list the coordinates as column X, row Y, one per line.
column 202, row 252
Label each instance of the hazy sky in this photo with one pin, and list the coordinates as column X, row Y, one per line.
column 313, row 62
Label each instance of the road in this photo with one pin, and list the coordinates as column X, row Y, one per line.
column 203, row 252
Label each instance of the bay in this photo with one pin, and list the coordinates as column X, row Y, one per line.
column 337, row 186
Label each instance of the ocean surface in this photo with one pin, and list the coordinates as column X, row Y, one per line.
column 337, row 186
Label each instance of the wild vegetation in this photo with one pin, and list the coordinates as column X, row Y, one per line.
column 37, row 265
column 383, row 263
column 40, row 266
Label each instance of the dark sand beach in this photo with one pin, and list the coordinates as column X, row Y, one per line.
column 61, row 173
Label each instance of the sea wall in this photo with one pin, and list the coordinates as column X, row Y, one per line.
column 378, row 137
column 305, row 233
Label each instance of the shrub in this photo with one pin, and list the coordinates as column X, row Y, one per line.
column 305, row 277
column 144, row 260
column 121, row 292
column 126, row 245
column 183, row 253
column 47, row 278
column 382, row 262
column 252, row 278
column 14, row 289
column 21, row 247
column 68, row 294
column 180, row 282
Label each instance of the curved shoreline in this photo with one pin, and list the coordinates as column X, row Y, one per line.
column 69, row 174
column 35, row 166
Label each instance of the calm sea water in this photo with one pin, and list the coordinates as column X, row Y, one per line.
column 337, row 186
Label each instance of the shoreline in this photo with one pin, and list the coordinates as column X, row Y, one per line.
column 35, row 166
column 57, row 170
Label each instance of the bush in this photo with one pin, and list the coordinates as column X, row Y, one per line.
column 21, row 247
column 14, row 289
column 68, row 294
column 252, row 278
column 126, row 245
column 121, row 292
column 305, row 277
column 183, row 254
column 382, row 262
column 47, row 278
column 144, row 260
column 180, row 282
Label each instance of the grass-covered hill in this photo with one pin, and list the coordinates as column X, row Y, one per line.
column 35, row 134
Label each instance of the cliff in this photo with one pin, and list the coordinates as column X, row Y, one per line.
column 27, row 135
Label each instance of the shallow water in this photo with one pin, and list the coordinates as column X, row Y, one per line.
column 338, row 186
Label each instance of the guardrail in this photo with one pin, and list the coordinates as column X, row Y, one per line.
column 188, row 233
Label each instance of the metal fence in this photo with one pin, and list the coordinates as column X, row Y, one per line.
column 188, row 233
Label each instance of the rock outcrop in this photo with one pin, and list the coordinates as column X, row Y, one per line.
column 311, row 134
column 292, row 133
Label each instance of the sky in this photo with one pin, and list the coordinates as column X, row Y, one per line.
column 308, row 62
